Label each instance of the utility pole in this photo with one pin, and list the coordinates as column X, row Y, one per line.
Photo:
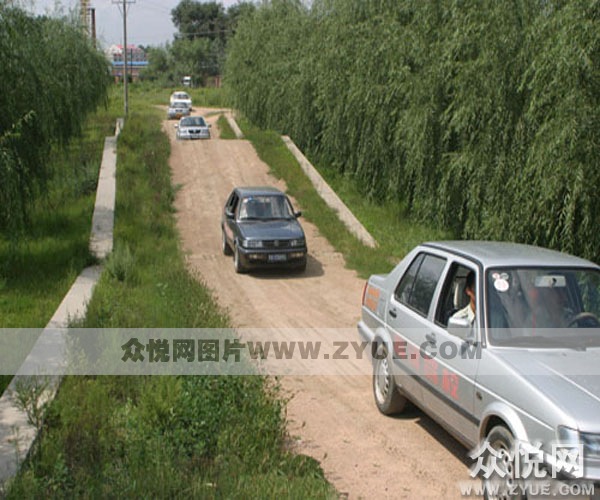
column 88, row 19
column 123, row 8
column 93, row 12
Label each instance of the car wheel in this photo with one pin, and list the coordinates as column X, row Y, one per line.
column 504, row 479
column 237, row 262
column 301, row 267
column 387, row 398
column 224, row 245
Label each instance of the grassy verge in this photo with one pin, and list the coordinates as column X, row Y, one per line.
column 226, row 132
column 38, row 267
column 209, row 97
column 388, row 223
column 209, row 437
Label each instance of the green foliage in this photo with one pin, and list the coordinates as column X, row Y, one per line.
column 198, row 50
column 120, row 263
column 479, row 117
column 50, row 79
column 195, row 20
column 225, row 130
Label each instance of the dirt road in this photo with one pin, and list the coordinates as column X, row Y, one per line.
column 331, row 418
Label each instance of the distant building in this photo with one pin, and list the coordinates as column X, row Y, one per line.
column 136, row 61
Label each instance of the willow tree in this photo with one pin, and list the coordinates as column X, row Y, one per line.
column 480, row 117
column 50, row 78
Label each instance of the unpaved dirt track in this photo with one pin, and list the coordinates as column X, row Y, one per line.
column 331, row 418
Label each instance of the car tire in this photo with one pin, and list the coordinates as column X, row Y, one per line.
column 387, row 398
column 224, row 245
column 501, row 440
column 237, row 261
column 300, row 268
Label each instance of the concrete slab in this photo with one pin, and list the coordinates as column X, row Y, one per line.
column 103, row 220
column 329, row 196
column 234, row 126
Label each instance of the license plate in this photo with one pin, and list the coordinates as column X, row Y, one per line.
column 277, row 257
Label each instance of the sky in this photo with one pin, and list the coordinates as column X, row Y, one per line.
column 148, row 21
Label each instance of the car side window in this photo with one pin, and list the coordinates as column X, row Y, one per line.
column 418, row 285
column 232, row 203
column 453, row 297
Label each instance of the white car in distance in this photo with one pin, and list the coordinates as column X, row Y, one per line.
column 181, row 97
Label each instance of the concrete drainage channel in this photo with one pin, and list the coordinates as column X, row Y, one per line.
column 17, row 434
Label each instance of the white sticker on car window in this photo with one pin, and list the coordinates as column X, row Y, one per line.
column 501, row 285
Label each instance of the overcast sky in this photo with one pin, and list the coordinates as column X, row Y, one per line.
column 148, row 21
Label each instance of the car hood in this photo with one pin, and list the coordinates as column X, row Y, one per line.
column 569, row 378
column 271, row 229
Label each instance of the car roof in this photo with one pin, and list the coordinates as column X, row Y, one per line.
column 497, row 254
column 257, row 191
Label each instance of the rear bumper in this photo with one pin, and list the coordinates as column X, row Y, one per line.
column 193, row 136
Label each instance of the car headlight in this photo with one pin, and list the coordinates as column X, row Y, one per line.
column 252, row 244
column 297, row 243
column 589, row 442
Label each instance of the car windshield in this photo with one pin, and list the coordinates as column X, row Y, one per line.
column 181, row 95
column 265, row 207
column 543, row 307
column 193, row 121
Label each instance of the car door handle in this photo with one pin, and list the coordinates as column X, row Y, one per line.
column 393, row 313
column 430, row 337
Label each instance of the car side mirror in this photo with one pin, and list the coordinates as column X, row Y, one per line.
column 461, row 328
column 176, row 125
column 297, row 214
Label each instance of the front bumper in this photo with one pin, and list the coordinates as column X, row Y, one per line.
column 201, row 135
column 255, row 258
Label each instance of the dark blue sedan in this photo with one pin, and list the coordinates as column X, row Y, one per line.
column 261, row 230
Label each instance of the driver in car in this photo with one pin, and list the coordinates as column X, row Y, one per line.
column 468, row 311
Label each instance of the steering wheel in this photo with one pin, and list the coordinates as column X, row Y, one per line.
column 584, row 320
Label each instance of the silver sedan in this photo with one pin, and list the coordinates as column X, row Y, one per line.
column 500, row 343
column 193, row 127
